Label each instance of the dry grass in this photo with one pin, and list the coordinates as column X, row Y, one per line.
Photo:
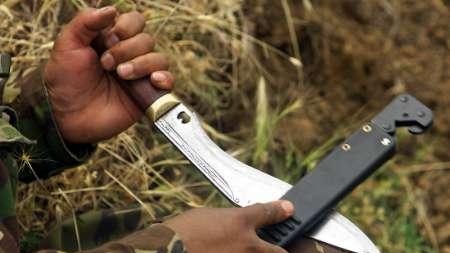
column 235, row 83
column 212, row 59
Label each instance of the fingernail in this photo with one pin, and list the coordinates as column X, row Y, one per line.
column 106, row 9
column 288, row 207
column 108, row 61
column 159, row 77
column 112, row 40
column 125, row 70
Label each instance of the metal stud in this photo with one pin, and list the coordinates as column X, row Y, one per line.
column 367, row 128
column 346, row 147
column 421, row 114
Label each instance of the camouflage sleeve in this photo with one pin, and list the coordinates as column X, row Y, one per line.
column 51, row 154
column 159, row 238
column 154, row 239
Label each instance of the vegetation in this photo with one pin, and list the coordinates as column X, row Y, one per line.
column 277, row 84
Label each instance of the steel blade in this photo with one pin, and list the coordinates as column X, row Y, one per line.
column 244, row 185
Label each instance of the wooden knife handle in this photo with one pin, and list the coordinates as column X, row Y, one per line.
column 154, row 102
column 143, row 92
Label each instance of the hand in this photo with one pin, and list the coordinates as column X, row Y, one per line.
column 87, row 100
column 230, row 230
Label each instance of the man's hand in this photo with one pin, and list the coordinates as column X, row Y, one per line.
column 230, row 230
column 88, row 102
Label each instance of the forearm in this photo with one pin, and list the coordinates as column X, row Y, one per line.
column 156, row 238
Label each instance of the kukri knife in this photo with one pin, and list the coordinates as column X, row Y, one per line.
column 316, row 194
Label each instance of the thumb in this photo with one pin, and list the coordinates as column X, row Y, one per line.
column 261, row 215
column 85, row 27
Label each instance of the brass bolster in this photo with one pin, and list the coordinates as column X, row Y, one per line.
column 161, row 106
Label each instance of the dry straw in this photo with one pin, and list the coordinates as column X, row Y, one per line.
column 217, row 72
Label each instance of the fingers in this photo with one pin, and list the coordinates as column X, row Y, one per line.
column 127, row 50
column 162, row 79
column 261, row 215
column 85, row 27
column 130, row 52
column 142, row 66
column 128, row 25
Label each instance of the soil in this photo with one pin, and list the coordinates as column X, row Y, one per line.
column 358, row 55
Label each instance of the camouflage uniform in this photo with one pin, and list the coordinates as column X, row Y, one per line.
column 37, row 128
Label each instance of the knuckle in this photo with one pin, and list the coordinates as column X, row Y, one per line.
column 138, row 16
column 118, row 50
column 271, row 212
column 259, row 207
column 135, row 16
column 267, row 210
column 159, row 58
column 239, row 219
column 121, row 30
column 146, row 38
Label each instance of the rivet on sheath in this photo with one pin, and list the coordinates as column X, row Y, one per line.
column 346, row 147
column 367, row 128
column 421, row 114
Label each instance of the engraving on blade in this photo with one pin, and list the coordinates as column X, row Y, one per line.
column 203, row 165
column 240, row 183
column 244, row 185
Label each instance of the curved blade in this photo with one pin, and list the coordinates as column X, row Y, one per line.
column 240, row 183
column 244, row 185
column 339, row 231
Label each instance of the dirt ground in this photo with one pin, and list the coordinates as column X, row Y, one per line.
column 356, row 56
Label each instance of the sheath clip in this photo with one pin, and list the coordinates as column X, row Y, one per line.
column 404, row 111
